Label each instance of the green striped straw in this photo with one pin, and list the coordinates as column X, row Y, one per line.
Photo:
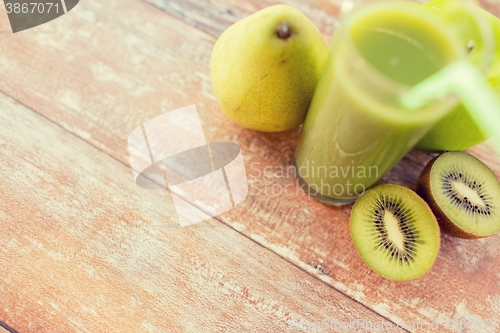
column 469, row 84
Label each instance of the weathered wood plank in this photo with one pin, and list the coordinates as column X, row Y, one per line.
column 215, row 16
column 103, row 76
column 492, row 6
column 85, row 250
column 4, row 330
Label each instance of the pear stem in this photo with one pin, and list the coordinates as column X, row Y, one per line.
column 284, row 30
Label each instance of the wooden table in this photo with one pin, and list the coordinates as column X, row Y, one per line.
column 83, row 249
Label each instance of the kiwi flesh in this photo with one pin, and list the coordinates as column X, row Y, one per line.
column 463, row 193
column 395, row 232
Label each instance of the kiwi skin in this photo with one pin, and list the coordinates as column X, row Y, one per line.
column 423, row 188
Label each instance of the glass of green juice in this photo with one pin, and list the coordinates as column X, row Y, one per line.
column 356, row 128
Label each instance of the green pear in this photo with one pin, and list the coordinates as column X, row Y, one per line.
column 265, row 68
column 458, row 131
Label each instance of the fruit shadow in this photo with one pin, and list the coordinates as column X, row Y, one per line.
column 407, row 170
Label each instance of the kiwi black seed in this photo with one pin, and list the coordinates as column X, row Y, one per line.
column 395, row 232
column 463, row 194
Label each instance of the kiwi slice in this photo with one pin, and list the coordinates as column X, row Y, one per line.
column 463, row 194
column 395, row 232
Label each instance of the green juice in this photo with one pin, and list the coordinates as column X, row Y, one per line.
column 356, row 128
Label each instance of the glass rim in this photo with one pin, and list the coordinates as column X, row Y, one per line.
column 392, row 86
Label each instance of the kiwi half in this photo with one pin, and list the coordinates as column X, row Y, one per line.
column 395, row 232
column 463, row 194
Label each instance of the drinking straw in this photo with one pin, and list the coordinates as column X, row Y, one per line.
column 467, row 82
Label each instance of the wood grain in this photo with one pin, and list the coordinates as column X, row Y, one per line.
column 215, row 16
column 5, row 330
column 85, row 250
column 100, row 76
